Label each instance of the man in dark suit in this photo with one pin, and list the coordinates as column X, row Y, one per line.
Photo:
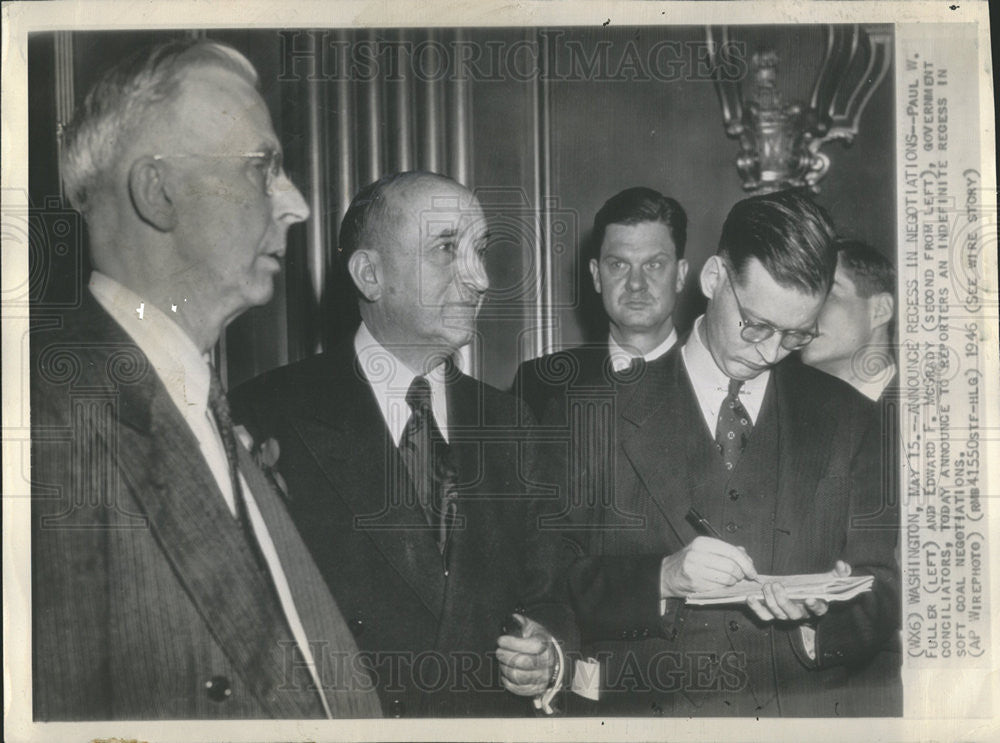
column 409, row 476
column 855, row 325
column 168, row 580
column 780, row 464
column 637, row 265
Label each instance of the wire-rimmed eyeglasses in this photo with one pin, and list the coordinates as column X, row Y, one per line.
column 758, row 332
column 270, row 164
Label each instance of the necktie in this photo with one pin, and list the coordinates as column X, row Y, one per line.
column 732, row 430
column 428, row 460
column 219, row 406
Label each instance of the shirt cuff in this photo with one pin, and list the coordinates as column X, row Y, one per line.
column 543, row 701
column 808, row 635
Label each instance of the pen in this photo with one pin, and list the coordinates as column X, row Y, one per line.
column 704, row 527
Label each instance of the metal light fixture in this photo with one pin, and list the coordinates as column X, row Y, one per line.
column 762, row 96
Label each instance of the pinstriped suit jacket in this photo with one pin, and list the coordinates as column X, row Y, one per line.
column 146, row 600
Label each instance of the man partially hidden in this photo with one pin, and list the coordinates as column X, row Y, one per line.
column 856, row 322
column 638, row 268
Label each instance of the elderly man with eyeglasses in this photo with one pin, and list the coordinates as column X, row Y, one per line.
column 168, row 580
column 741, row 463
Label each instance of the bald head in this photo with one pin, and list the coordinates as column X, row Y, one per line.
column 414, row 245
column 373, row 218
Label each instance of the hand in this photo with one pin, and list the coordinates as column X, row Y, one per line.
column 775, row 604
column 526, row 662
column 703, row 565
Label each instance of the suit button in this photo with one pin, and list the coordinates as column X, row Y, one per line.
column 397, row 708
column 731, row 527
column 734, row 626
column 645, row 633
column 624, row 634
column 218, row 688
column 357, row 626
column 734, row 494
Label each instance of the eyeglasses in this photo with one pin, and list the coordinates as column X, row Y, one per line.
column 269, row 163
column 758, row 332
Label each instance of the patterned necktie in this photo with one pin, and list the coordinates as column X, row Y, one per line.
column 732, row 430
column 219, row 406
column 428, row 460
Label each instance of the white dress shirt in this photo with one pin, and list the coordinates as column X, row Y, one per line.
column 621, row 356
column 390, row 379
column 711, row 385
column 185, row 373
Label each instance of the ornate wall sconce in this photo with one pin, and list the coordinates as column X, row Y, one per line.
column 762, row 77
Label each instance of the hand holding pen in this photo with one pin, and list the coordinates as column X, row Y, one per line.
column 773, row 603
column 706, row 563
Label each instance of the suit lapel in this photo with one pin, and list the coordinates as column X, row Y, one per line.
column 348, row 439
column 321, row 618
column 656, row 426
column 186, row 513
column 803, row 449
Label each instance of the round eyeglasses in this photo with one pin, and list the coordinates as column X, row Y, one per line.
column 758, row 332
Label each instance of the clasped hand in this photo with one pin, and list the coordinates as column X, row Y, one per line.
column 708, row 563
column 526, row 662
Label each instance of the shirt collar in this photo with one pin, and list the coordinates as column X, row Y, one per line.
column 621, row 356
column 390, row 380
column 181, row 367
column 873, row 389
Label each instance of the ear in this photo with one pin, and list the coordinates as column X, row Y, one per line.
column 883, row 307
column 150, row 194
column 595, row 273
column 365, row 269
column 712, row 275
column 682, row 272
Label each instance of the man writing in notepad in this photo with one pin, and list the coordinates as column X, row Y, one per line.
column 780, row 466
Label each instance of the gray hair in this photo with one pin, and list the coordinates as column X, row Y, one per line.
column 123, row 99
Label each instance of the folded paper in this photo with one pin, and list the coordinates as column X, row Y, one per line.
column 798, row 587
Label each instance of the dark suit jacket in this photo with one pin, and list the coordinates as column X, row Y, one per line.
column 806, row 492
column 147, row 602
column 428, row 622
column 554, row 376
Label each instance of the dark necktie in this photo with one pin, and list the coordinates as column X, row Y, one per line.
column 428, row 460
column 219, row 406
column 732, row 430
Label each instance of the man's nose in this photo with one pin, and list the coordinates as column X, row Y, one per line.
column 287, row 202
column 636, row 280
column 472, row 273
column 771, row 350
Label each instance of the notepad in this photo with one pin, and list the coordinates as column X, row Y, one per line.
column 815, row 586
